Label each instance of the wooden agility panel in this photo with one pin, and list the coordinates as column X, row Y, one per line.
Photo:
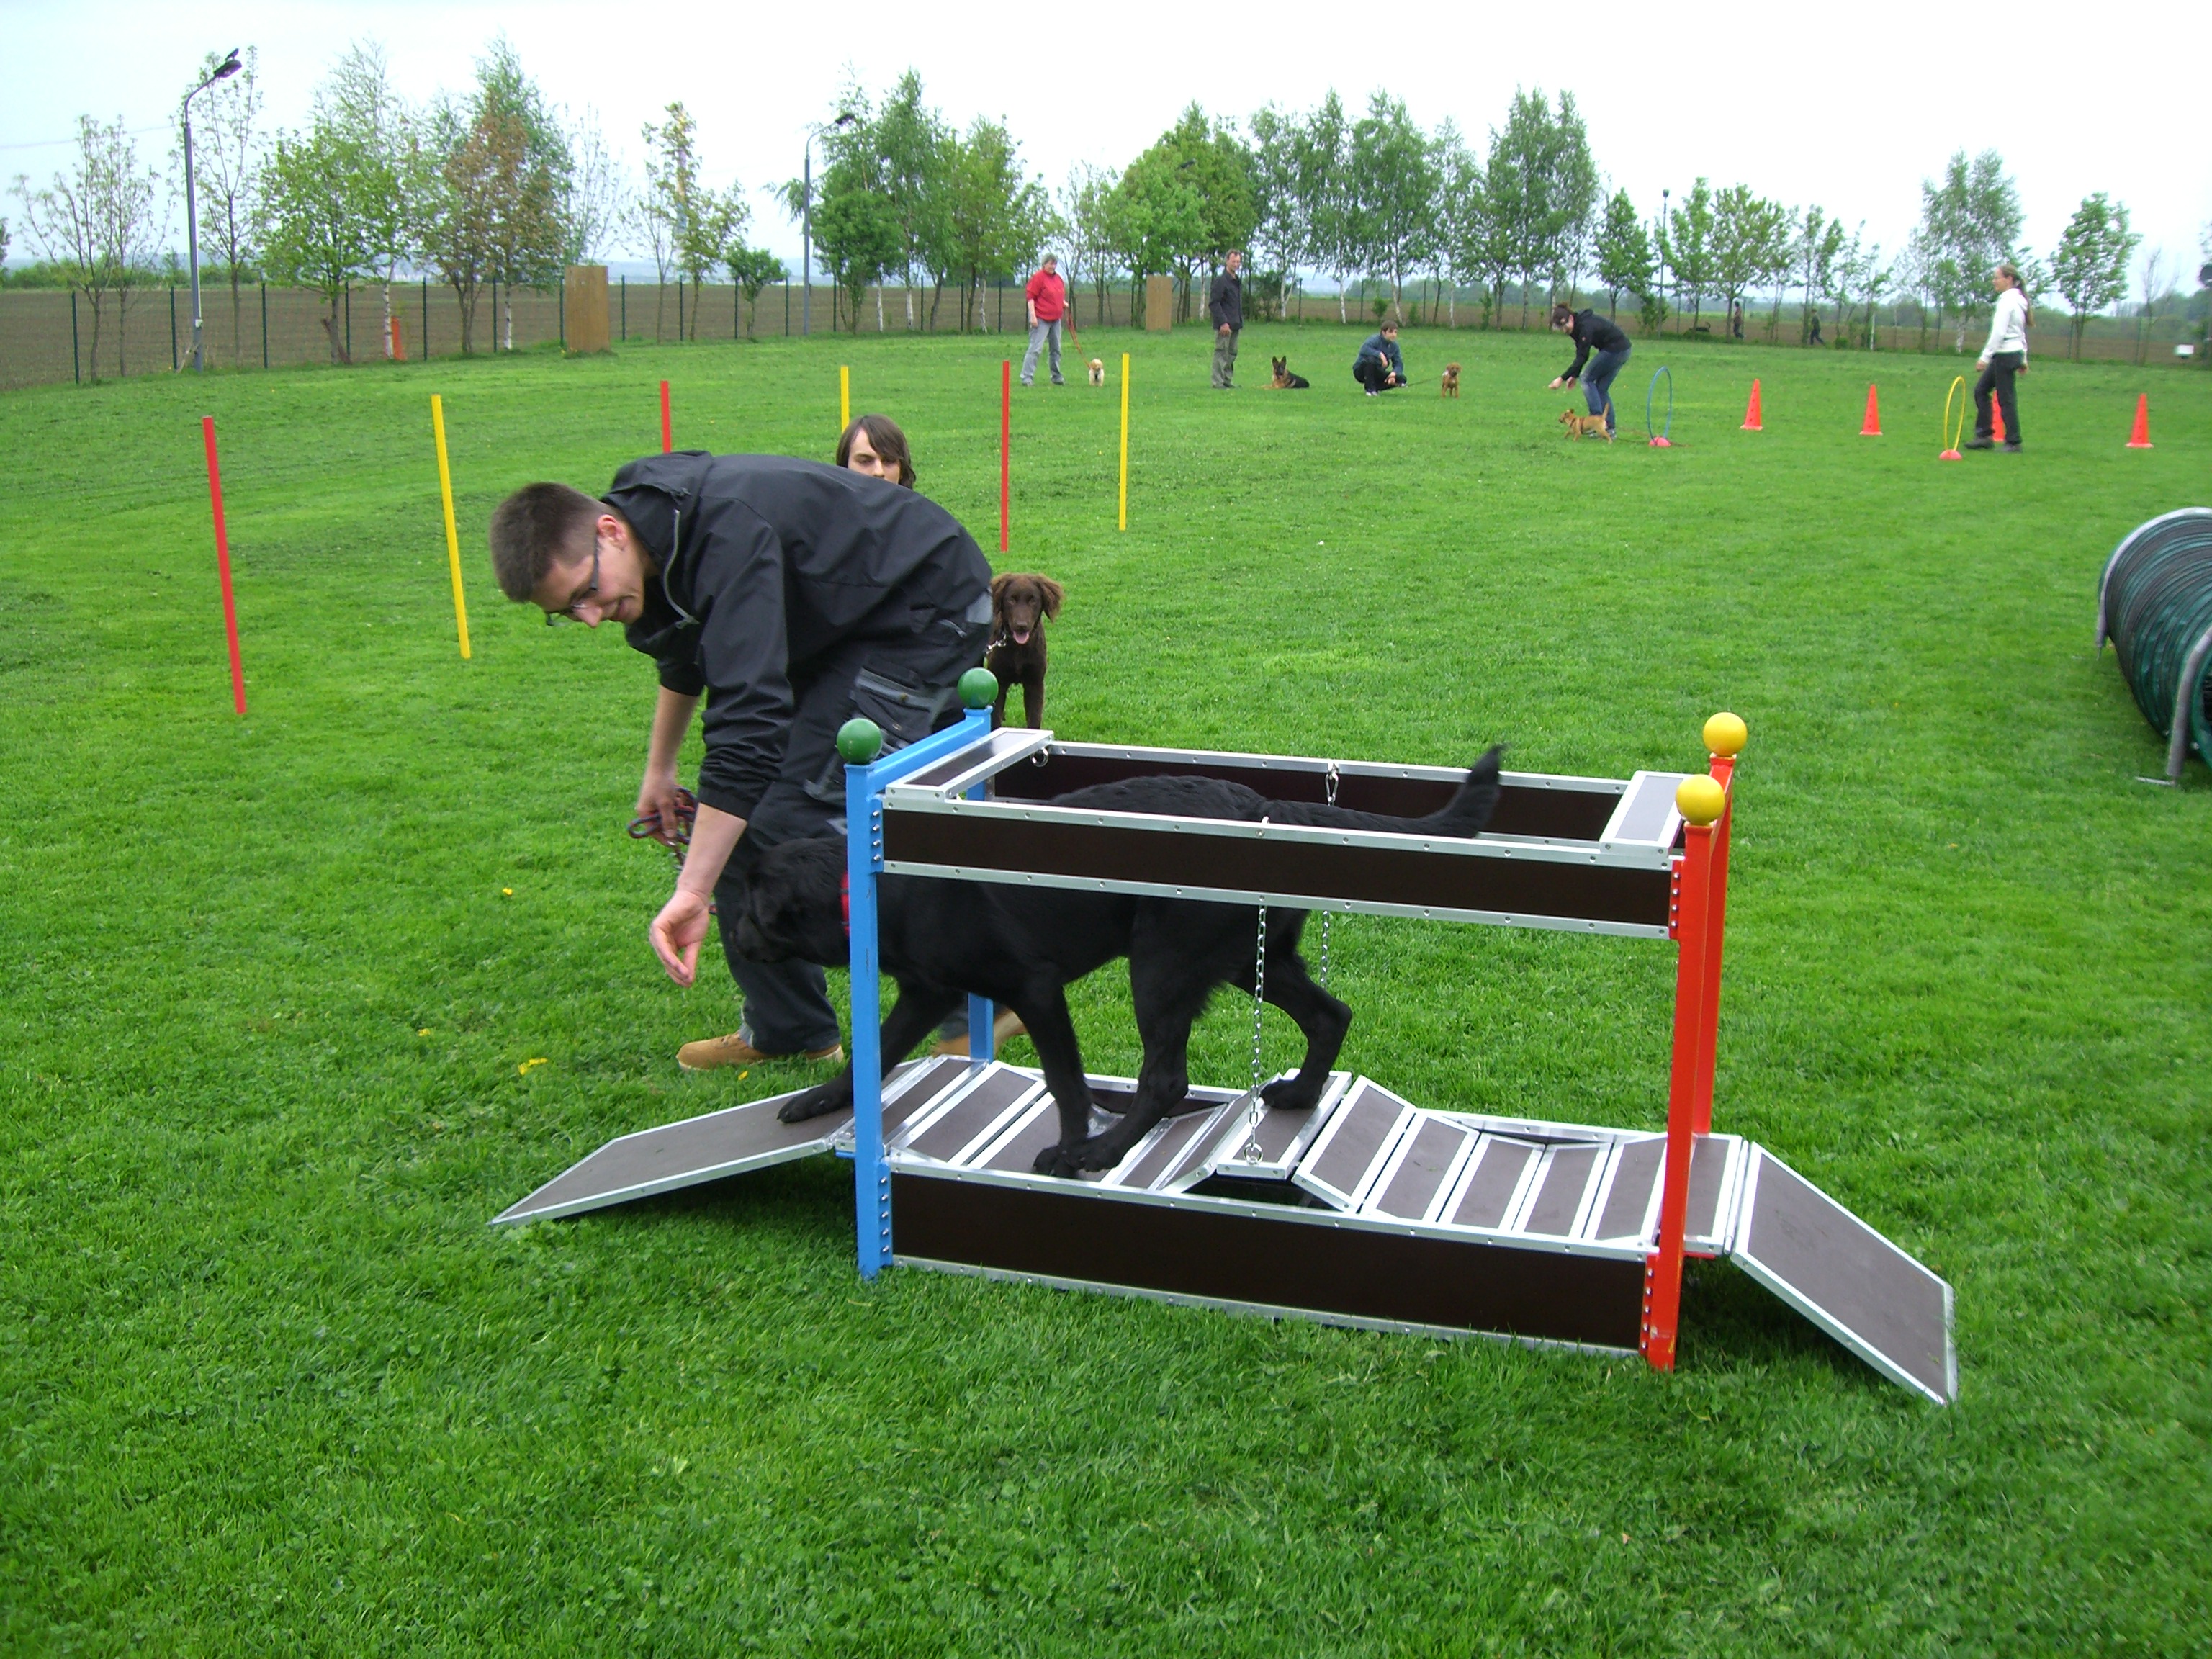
column 1159, row 304
column 586, row 312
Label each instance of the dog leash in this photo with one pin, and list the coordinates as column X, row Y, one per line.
column 647, row 826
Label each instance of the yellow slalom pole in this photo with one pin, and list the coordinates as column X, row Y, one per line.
column 844, row 399
column 453, row 536
column 1125, row 440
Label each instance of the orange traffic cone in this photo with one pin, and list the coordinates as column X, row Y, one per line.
column 1996, row 419
column 2140, row 438
column 1873, row 427
column 1751, row 412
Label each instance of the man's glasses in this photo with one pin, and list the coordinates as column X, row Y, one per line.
column 567, row 612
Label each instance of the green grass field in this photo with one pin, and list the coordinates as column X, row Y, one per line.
column 274, row 988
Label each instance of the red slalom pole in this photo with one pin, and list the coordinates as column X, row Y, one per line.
column 222, row 565
column 667, row 432
column 1006, row 445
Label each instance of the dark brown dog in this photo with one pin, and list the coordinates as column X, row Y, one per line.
column 1021, row 603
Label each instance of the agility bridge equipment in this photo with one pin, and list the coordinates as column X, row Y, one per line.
column 2154, row 605
column 1367, row 1209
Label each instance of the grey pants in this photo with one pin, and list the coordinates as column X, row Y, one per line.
column 1224, row 357
column 1039, row 334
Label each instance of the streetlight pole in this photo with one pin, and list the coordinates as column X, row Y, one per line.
column 806, row 223
column 224, row 70
column 1665, row 196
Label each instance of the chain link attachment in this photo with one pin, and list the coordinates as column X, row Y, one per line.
column 1251, row 1153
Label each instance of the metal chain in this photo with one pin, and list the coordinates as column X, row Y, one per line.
column 1258, row 1001
column 1325, row 915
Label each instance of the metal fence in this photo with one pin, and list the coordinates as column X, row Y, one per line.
column 48, row 336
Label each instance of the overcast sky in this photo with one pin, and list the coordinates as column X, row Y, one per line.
column 1840, row 105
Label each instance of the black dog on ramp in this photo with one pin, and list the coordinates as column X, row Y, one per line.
column 1022, row 946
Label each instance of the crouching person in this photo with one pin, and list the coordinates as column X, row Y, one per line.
column 1379, row 367
column 792, row 596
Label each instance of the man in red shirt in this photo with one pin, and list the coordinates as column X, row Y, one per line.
column 1048, row 298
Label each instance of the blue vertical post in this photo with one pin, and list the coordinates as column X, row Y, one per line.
column 860, row 742
column 864, row 860
column 982, row 1042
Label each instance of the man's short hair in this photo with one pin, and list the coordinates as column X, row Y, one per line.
column 1049, row 259
column 540, row 525
column 1388, row 328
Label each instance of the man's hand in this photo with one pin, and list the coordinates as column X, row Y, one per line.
column 677, row 933
column 1223, row 329
column 657, row 800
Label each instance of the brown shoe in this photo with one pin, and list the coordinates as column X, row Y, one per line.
column 711, row 1053
column 1008, row 1024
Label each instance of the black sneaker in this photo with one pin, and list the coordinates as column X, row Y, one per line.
column 2012, row 449
column 1979, row 443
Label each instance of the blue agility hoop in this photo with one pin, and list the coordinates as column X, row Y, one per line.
column 1660, row 439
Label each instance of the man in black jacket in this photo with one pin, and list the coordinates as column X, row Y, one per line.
column 1225, row 303
column 794, row 596
column 1591, row 332
column 1379, row 367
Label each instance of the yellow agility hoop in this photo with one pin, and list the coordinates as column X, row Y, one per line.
column 1953, row 434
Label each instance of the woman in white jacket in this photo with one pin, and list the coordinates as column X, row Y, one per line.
column 2003, row 358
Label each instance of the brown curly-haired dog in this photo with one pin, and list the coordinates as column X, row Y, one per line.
column 1022, row 602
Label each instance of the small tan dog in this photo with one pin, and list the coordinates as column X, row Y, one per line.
column 1583, row 426
column 1098, row 371
column 1451, row 380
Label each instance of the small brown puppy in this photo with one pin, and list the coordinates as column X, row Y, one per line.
column 1021, row 603
column 1098, row 371
column 1583, row 426
column 1451, row 380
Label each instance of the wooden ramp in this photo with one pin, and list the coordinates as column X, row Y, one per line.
column 1366, row 1210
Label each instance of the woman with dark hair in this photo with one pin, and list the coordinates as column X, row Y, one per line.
column 1592, row 333
column 874, row 445
column 2003, row 357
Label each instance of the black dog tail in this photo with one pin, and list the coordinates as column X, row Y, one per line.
column 1466, row 814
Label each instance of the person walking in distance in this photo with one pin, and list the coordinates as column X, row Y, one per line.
column 1592, row 333
column 1047, row 304
column 2003, row 356
column 1225, row 304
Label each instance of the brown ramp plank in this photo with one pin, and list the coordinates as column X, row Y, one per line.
column 1847, row 1279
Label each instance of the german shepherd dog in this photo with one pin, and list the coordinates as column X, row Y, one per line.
column 1285, row 380
column 1022, row 946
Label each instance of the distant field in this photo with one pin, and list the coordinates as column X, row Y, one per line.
column 273, row 989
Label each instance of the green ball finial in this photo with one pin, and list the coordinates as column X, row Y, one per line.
column 979, row 687
column 860, row 740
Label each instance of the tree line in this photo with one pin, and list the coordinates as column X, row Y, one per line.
column 496, row 188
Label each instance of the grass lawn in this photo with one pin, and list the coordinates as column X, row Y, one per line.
column 276, row 991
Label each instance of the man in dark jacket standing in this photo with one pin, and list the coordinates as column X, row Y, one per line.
column 1225, row 303
column 793, row 596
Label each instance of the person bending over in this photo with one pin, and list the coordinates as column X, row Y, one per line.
column 1592, row 333
column 2003, row 356
column 792, row 596
column 1379, row 367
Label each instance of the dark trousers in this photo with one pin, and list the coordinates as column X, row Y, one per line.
column 1998, row 378
column 786, row 1005
column 1597, row 382
column 1374, row 373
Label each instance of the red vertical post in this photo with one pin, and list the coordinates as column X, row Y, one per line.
column 1663, row 1269
column 667, row 431
column 1006, row 446
column 222, row 565
column 1709, row 1010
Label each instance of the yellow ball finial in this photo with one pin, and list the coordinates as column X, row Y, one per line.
column 1725, row 733
column 1699, row 799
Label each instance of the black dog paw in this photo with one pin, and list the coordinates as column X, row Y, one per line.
column 1056, row 1161
column 1287, row 1094
column 813, row 1103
